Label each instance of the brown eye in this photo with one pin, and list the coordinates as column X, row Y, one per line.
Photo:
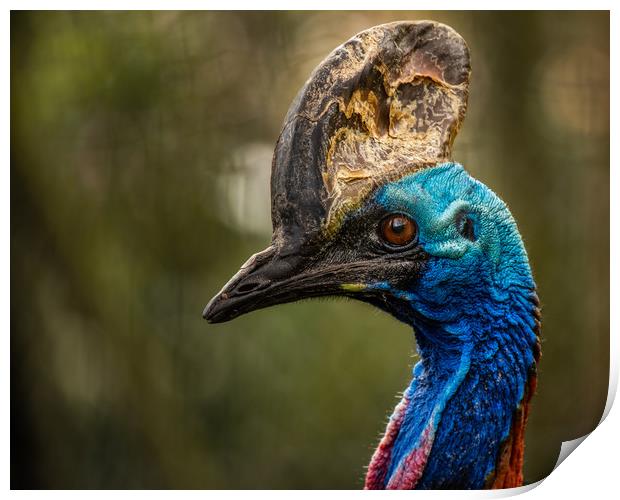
column 398, row 230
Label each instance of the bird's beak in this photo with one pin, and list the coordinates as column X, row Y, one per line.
column 274, row 277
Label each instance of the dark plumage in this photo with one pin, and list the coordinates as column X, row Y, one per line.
column 366, row 203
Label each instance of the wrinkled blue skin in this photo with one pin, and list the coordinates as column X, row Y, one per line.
column 473, row 321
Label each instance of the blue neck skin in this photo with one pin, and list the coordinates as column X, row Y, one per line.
column 473, row 313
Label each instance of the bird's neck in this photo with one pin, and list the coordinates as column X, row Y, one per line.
column 461, row 421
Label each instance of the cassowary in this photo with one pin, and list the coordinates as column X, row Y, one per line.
column 367, row 204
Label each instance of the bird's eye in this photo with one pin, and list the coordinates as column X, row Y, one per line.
column 398, row 230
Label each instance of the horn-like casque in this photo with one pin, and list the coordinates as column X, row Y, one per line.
column 384, row 104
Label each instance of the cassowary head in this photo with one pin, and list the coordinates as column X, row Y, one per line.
column 367, row 204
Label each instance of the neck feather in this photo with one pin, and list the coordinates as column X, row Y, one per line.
column 461, row 422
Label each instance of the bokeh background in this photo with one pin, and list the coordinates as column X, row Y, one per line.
column 140, row 156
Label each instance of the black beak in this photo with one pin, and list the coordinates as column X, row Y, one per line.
column 275, row 277
column 268, row 278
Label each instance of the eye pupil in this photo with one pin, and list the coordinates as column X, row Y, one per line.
column 398, row 225
column 398, row 230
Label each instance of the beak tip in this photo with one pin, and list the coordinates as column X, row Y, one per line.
column 210, row 318
column 217, row 311
column 208, row 312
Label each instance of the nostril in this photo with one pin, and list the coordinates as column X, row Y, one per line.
column 250, row 286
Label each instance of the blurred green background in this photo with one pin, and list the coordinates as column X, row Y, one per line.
column 140, row 154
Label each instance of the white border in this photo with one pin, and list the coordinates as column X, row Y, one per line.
column 307, row 5
column 590, row 471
